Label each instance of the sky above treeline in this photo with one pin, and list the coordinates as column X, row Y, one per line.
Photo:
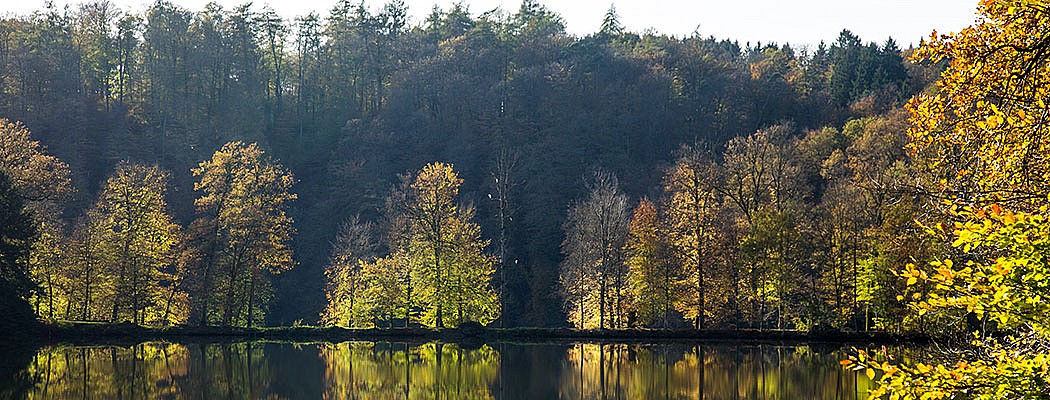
column 803, row 23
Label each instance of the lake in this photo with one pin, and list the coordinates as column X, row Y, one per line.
column 380, row 370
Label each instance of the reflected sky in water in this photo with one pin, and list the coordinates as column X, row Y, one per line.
column 368, row 370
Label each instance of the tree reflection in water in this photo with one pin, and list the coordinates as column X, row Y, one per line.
column 400, row 371
column 623, row 371
column 367, row 370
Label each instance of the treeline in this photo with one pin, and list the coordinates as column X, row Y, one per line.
column 786, row 228
column 352, row 99
column 435, row 271
column 125, row 259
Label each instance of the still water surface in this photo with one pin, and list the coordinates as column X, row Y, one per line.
column 368, row 370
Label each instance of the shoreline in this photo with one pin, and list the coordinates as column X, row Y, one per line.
column 96, row 333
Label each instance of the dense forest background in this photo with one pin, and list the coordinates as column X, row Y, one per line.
column 350, row 100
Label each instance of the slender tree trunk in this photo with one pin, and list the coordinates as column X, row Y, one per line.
column 299, row 105
column 698, row 232
column 171, row 298
column 231, row 292
column 50, row 297
column 87, row 292
column 440, row 323
column 408, row 303
column 251, row 299
column 116, row 299
column 205, row 293
column 603, row 287
column 459, row 297
column 277, row 75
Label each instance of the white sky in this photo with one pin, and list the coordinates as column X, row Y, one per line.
column 798, row 22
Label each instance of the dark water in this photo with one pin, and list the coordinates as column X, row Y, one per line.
column 366, row 370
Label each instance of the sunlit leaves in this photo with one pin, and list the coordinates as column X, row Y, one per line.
column 436, row 263
column 1004, row 285
column 446, row 252
column 692, row 204
column 43, row 182
column 244, row 229
column 345, row 275
column 120, row 264
column 139, row 241
column 983, row 131
column 652, row 273
column 42, row 179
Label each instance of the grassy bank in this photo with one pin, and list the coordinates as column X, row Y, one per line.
column 87, row 333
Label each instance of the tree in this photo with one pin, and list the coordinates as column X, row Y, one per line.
column 444, row 249
column 758, row 171
column 691, row 204
column 16, row 236
column 881, row 200
column 985, row 132
column 996, row 148
column 863, row 70
column 611, row 26
column 42, row 180
column 760, row 178
column 120, row 262
column 46, row 258
column 307, row 57
column 504, row 178
column 652, row 272
column 139, row 242
column 274, row 31
column 429, row 211
column 243, row 231
column 1005, row 290
column 595, row 233
column 388, row 292
column 84, row 264
column 127, row 42
column 354, row 248
column 98, row 45
column 534, row 20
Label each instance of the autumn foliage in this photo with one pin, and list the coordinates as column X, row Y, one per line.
column 985, row 130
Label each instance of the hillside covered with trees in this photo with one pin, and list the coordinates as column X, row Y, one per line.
column 234, row 167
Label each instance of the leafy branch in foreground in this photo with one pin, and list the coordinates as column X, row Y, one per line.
column 1005, row 283
column 984, row 132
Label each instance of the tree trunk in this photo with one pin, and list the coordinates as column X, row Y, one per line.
column 251, row 300
column 440, row 323
column 230, row 293
column 601, row 301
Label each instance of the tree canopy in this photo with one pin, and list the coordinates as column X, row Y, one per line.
column 984, row 129
column 351, row 98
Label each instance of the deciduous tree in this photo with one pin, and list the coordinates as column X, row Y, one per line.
column 140, row 239
column 985, row 132
column 347, row 283
column 652, row 271
column 593, row 274
column 692, row 202
column 450, row 272
column 244, row 231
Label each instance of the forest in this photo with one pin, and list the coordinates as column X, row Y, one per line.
column 232, row 167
